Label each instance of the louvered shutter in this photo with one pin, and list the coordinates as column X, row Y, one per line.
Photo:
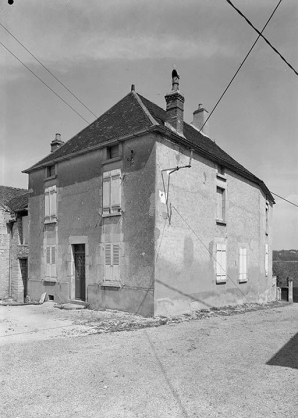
column 53, row 262
column 244, row 264
column 108, row 262
column 48, row 261
column 221, row 262
column 116, row 262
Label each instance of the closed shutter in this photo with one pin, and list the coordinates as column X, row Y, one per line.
column 53, row 260
column 106, row 193
column 47, row 204
column 221, row 262
column 112, row 262
column 115, row 191
column 53, row 203
column 48, row 261
column 242, row 264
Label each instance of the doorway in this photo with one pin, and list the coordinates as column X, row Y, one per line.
column 24, row 274
column 80, row 275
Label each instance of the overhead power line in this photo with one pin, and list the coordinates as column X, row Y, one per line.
column 44, row 83
column 260, row 34
column 53, row 75
column 239, row 68
column 286, row 200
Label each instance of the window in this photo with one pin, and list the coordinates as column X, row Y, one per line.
column 221, row 263
column 113, row 151
column 242, row 265
column 112, row 262
column 51, row 261
column 111, row 191
column 266, row 259
column 221, row 203
column 51, row 204
column 220, row 170
column 50, row 171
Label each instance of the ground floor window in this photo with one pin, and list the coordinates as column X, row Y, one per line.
column 221, row 263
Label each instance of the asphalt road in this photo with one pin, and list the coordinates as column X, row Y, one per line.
column 244, row 365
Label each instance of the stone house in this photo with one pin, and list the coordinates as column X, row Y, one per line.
column 13, row 243
column 143, row 212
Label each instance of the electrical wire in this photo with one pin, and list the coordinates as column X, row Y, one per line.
column 294, row 204
column 44, row 82
column 260, row 34
column 239, row 68
column 56, row 78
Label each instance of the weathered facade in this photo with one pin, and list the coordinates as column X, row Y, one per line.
column 13, row 243
column 144, row 213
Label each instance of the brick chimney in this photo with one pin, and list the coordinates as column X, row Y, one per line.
column 199, row 118
column 175, row 105
column 56, row 143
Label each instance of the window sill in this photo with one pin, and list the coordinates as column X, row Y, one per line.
column 50, row 280
column 109, row 215
column 54, row 221
column 221, row 222
column 221, row 176
column 50, row 178
column 112, row 160
column 111, row 284
column 221, row 281
column 243, row 281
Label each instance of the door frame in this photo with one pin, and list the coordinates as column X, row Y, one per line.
column 73, row 240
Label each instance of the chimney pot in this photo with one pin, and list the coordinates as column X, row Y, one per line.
column 175, row 105
column 199, row 119
column 132, row 87
column 56, row 143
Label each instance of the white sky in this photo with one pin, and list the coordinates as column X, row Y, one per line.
column 99, row 48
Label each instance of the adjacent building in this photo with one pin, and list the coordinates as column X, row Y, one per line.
column 13, row 243
column 143, row 212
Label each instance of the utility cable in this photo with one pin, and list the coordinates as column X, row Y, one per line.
column 48, row 70
column 234, row 76
column 260, row 34
column 44, row 83
column 294, row 204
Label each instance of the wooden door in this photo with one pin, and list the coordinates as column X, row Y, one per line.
column 80, row 278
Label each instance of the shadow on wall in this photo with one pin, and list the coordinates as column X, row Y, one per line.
column 287, row 356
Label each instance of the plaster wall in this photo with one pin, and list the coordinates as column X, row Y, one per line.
column 79, row 221
column 187, row 234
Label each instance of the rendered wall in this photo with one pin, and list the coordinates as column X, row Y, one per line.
column 4, row 256
column 185, row 272
column 79, row 200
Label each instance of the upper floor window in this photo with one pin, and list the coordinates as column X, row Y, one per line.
column 113, row 151
column 50, row 171
column 267, row 218
column 50, row 204
column 111, row 193
column 220, row 171
column 221, row 204
column 25, row 230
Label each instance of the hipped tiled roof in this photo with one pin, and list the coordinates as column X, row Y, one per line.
column 19, row 203
column 134, row 114
column 9, row 193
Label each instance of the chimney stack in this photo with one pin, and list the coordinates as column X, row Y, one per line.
column 175, row 105
column 56, row 143
column 199, row 118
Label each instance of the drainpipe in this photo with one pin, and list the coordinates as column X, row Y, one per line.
column 9, row 261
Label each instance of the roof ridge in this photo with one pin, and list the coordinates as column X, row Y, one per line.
column 144, row 108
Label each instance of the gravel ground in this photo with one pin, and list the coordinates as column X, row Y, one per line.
column 221, row 364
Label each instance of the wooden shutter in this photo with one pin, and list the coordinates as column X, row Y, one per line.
column 108, row 262
column 48, row 261
column 221, row 262
column 53, row 261
column 47, row 204
column 53, row 203
column 115, row 191
column 242, row 264
column 106, row 193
